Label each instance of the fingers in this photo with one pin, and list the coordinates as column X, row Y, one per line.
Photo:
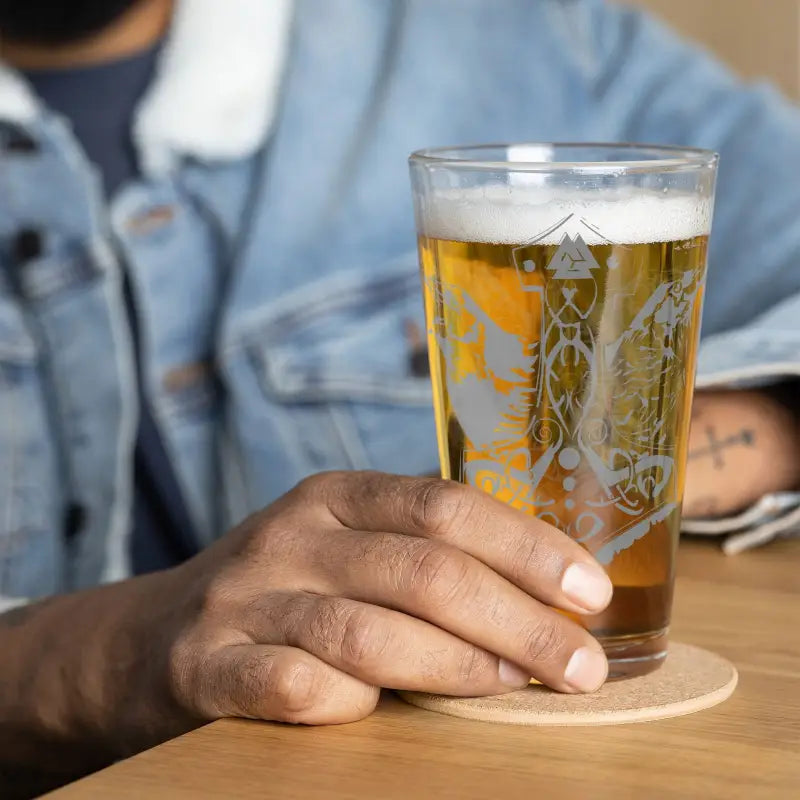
column 381, row 647
column 279, row 683
column 535, row 556
column 421, row 584
column 457, row 593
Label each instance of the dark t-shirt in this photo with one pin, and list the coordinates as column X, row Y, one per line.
column 99, row 101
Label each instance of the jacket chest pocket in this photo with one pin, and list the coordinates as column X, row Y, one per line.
column 31, row 542
column 343, row 367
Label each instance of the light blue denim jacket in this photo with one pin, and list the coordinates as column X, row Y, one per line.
column 277, row 275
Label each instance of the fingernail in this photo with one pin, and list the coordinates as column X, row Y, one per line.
column 587, row 670
column 511, row 675
column 587, row 586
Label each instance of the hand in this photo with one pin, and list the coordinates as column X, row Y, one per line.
column 743, row 445
column 355, row 581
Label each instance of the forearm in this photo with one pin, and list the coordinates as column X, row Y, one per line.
column 743, row 445
column 79, row 678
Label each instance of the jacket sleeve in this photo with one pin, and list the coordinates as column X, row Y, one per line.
column 648, row 84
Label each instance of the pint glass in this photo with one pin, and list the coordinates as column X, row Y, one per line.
column 563, row 291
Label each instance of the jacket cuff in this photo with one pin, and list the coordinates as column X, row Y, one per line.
column 773, row 516
column 749, row 357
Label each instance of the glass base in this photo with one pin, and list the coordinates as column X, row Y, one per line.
column 632, row 656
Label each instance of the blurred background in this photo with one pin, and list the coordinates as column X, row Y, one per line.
column 758, row 38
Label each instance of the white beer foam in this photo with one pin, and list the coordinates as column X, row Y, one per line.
column 520, row 214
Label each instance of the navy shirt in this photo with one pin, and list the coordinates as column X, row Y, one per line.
column 99, row 101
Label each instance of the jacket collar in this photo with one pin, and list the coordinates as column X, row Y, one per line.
column 216, row 91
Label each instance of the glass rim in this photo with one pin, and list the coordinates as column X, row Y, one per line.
column 664, row 158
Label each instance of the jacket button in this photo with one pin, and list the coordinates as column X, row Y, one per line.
column 28, row 245
column 74, row 520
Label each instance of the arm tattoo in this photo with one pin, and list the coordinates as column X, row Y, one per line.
column 716, row 447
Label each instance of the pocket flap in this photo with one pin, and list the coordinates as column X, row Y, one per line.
column 345, row 338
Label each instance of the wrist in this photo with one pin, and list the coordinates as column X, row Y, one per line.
column 136, row 650
column 86, row 678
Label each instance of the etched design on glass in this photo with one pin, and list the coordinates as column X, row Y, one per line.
column 566, row 423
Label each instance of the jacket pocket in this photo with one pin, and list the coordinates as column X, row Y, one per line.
column 338, row 367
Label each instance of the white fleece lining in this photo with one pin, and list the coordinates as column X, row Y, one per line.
column 17, row 102
column 217, row 87
column 216, row 93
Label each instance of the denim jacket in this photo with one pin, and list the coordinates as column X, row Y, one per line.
column 271, row 248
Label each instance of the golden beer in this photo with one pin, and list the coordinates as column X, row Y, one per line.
column 562, row 339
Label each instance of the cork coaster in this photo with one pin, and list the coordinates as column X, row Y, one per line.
column 690, row 680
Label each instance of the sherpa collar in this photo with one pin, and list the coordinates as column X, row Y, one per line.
column 216, row 90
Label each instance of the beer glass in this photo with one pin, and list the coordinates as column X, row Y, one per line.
column 563, row 289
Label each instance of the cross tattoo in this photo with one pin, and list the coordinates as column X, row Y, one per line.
column 716, row 446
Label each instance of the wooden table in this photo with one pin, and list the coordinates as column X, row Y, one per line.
column 746, row 607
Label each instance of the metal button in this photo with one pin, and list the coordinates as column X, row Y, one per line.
column 74, row 520
column 28, row 245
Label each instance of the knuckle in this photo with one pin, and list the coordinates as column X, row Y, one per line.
column 324, row 620
column 437, row 505
column 293, row 687
column 287, row 612
column 543, row 642
column 310, row 485
column 322, row 496
column 381, row 552
column 349, row 632
column 364, row 640
column 438, row 575
column 530, row 555
column 319, row 484
column 278, row 535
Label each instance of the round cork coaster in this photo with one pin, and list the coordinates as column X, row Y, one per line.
column 691, row 679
